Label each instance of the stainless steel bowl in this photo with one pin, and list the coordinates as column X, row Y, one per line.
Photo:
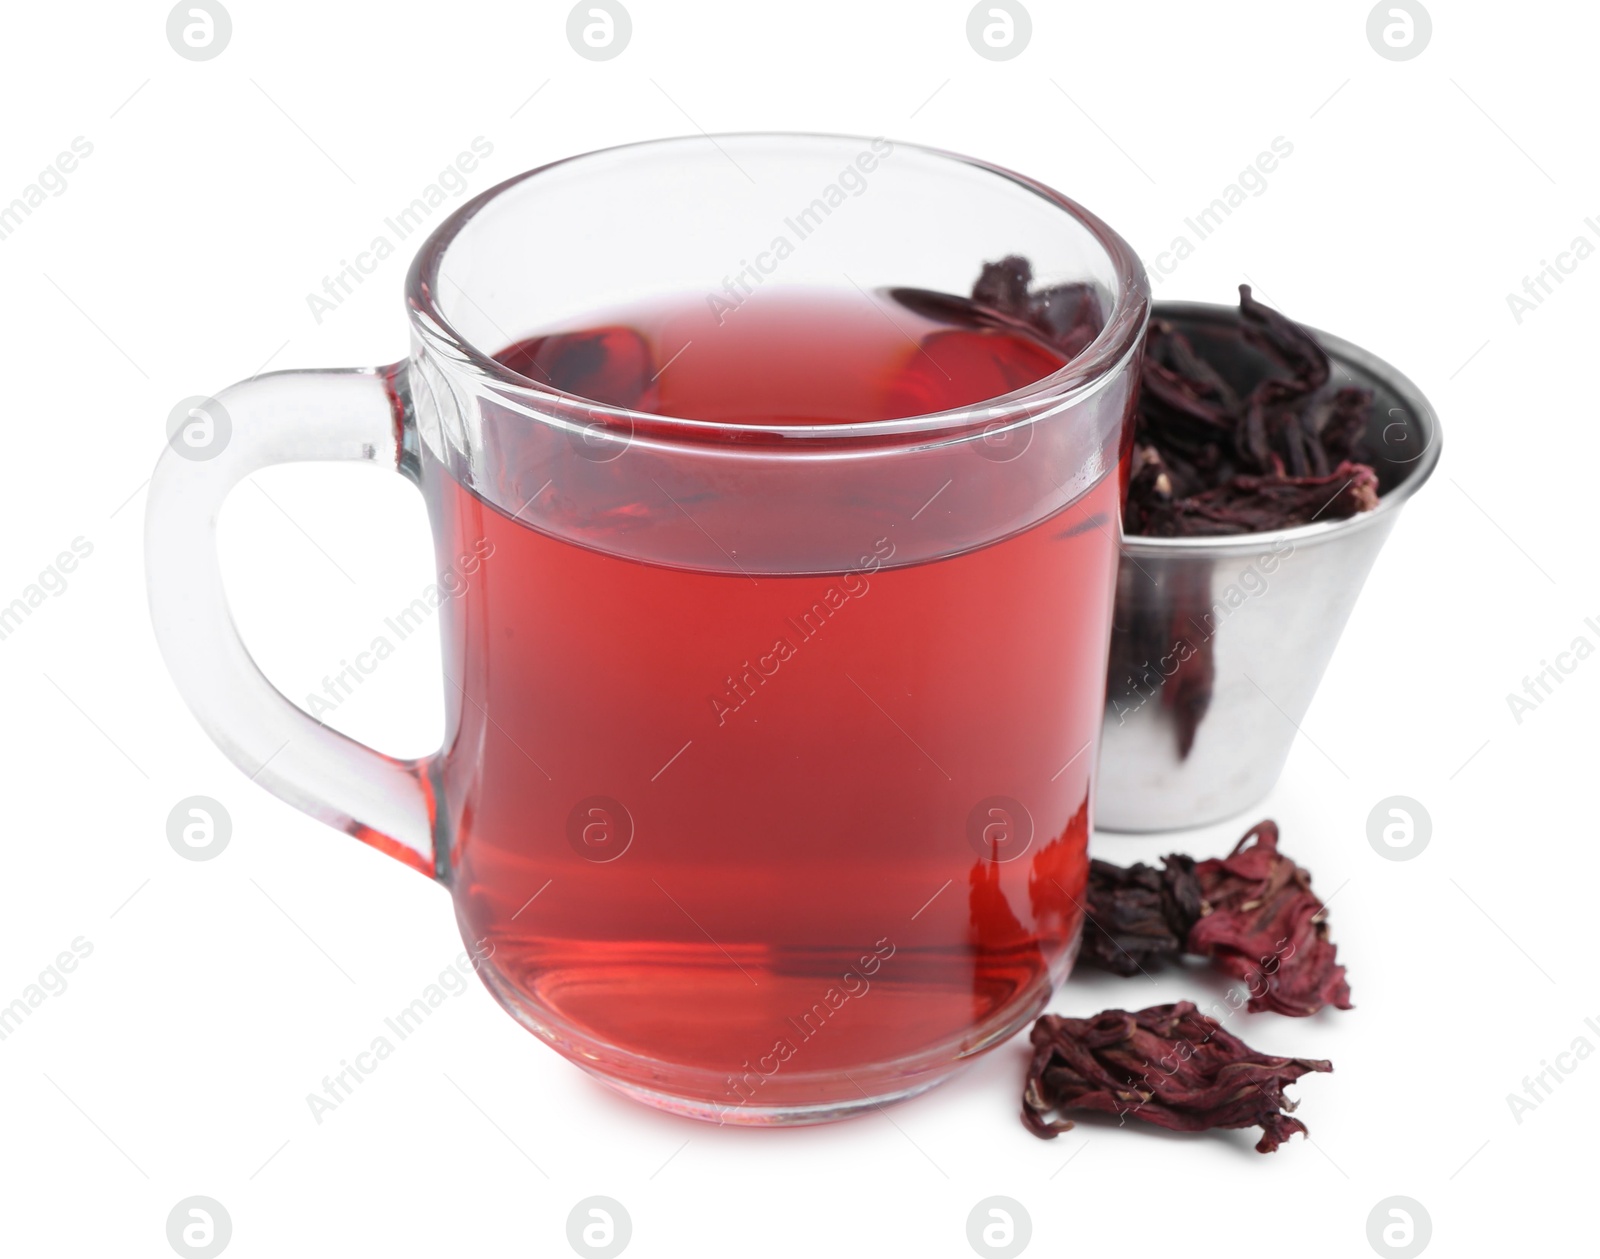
column 1218, row 644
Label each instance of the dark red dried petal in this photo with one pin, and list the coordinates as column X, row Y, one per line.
column 1251, row 504
column 1263, row 924
column 1295, row 349
column 612, row 365
column 1253, row 913
column 1068, row 316
column 1168, row 1065
column 1340, row 423
column 1286, row 451
column 1139, row 916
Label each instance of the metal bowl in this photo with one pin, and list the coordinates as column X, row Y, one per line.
column 1218, row 644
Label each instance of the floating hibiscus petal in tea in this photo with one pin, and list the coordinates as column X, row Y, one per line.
column 1168, row 1065
column 1253, row 913
column 1066, row 315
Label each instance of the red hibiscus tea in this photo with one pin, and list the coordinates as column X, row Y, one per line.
column 767, row 827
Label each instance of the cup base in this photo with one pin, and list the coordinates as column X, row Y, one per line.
column 748, row 1115
column 789, row 1098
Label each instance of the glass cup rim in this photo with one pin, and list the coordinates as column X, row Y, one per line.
column 1088, row 371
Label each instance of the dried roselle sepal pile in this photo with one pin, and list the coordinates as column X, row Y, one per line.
column 1244, row 503
column 1212, row 457
column 1169, row 1065
column 1258, row 439
column 1253, row 913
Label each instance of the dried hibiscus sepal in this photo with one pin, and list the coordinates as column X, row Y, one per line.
column 1262, row 923
column 1270, row 446
column 1139, row 916
column 1253, row 913
column 1169, row 1065
column 1243, row 432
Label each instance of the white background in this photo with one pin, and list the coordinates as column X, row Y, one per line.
column 178, row 259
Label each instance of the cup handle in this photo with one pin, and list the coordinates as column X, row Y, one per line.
column 361, row 415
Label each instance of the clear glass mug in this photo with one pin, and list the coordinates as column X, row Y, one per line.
column 765, row 785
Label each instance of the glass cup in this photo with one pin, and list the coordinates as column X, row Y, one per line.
column 765, row 785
